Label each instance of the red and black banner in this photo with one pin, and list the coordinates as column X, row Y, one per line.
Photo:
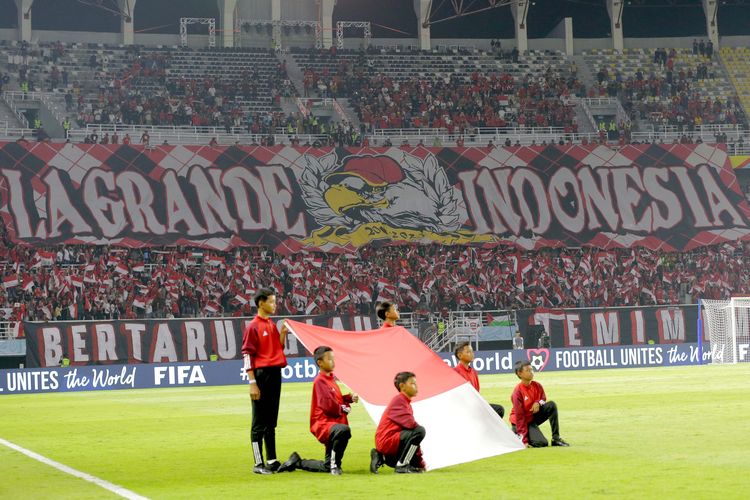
column 156, row 341
column 610, row 326
column 668, row 197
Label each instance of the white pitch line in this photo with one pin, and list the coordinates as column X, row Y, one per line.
column 117, row 490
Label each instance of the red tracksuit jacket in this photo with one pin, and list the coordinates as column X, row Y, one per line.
column 325, row 408
column 397, row 417
column 261, row 345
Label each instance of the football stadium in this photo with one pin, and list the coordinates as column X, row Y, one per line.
column 374, row 248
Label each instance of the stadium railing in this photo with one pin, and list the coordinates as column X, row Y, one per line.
column 189, row 136
column 8, row 330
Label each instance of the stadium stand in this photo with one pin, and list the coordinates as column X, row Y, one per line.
column 452, row 91
column 667, row 87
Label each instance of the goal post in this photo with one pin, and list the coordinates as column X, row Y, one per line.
column 727, row 325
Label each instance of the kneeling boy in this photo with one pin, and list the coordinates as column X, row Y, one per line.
column 398, row 437
column 328, row 421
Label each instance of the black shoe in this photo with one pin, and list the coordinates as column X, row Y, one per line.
column 291, row 464
column 273, row 466
column 262, row 469
column 559, row 442
column 408, row 469
column 336, row 471
column 375, row 461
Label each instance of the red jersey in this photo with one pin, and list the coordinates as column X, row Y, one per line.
column 469, row 374
column 398, row 416
column 325, row 408
column 523, row 398
column 261, row 345
column 387, row 325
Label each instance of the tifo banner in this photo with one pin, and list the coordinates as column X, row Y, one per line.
column 740, row 161
column 668, row 197
column 96, row 378
column 367, row 362
column 154, row 341
column 611, row 326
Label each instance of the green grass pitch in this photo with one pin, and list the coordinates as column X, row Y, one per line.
column 639, row 433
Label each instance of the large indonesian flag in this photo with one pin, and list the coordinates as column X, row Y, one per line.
column 461, row 426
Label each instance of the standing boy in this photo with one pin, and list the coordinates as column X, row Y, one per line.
column 398, row 436
column 465, row 355
column 263, row 354
column 388, row 313
column 328, row 418
column 531, row 408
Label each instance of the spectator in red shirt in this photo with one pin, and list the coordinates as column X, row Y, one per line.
column 398, row 436
column 263, row 355
column 465, row 355
column 388, row 313
column 531, row 408
column 328, row 422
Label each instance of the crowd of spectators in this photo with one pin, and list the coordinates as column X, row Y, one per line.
column 101, row 282
column 457, row 103
column 143, row 94
column 670, row 96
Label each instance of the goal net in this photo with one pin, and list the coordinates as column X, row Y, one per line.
column 727, row 325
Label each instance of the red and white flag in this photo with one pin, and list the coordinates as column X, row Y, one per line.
column 368, row 361
column 45, row 258
column 214, row 260
column 139, row 268
column 311, row 307
column 121, row 268
column 28, row 283
column 342, row 298
column 10, row 281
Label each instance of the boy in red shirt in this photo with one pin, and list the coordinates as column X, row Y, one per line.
column 398, row 436
column 388, row 313
column 328, row 421
column 465, row 355
column 531, row 408
column 263, row 355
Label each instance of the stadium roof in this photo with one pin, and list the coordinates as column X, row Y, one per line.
column 396, row 18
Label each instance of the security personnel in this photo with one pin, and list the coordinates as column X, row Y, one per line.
column 66, row 126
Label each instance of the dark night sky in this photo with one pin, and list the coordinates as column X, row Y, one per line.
column 396, row 18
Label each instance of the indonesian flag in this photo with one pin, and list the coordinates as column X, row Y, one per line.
column 214, row 260
column 10, row 281
column 299, row 295
column 212, row 307
column 382, row 283
column 139, row 268
column 121, row 268
column 342, row 298
column 76, row 281
column 368, row 361
column 364, row 292
column 139, row 303
column 311, row 307
column 242, row 298
column 28, row 283
column 90, row 267
column 45, row 258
